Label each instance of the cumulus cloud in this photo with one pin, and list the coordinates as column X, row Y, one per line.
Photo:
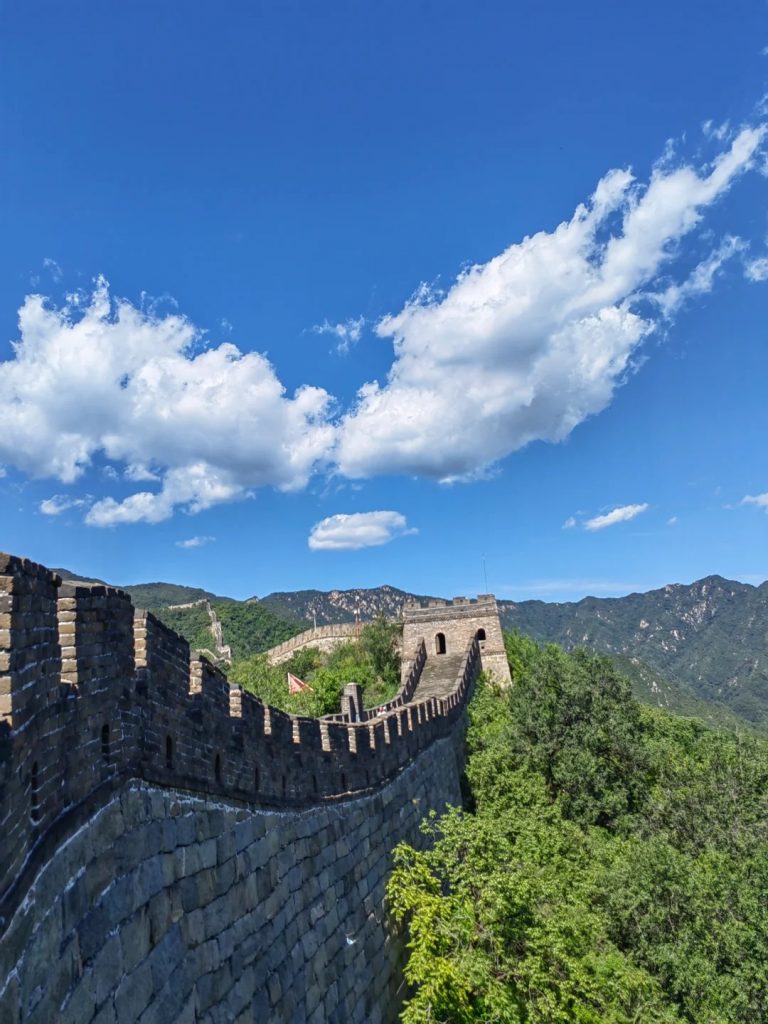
column 527, row 346
column 524, row 347
column 570, row 523
column 195, row 542
column 104, row 377
column 357, row 530
column 622, row 514
column 347, row 333
column 59, row 503
column 761, row 500
column 757, row 270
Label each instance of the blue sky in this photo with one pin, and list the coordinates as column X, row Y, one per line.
column 533, row 235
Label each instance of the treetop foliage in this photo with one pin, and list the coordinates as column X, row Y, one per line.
column 612, row 865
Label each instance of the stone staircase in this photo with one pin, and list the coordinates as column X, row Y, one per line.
column 438, row 676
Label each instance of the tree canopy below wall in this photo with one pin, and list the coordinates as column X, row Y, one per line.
column 612, row 865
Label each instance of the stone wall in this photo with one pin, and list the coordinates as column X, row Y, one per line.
column 459, row 622
column 168, row 907
column 324, row 638
column 173, row 849
column 94, row 693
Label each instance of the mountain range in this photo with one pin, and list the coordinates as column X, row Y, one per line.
column 699, row 648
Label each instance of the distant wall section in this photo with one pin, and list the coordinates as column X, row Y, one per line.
column 324, row 638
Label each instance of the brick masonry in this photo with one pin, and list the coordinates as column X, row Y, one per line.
column 458, row 622
column 173, row 849
column 324, row 638
column 167, row 907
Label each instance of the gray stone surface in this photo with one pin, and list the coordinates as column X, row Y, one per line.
column 174, row 908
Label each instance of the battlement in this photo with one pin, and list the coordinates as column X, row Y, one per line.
column 414, row 609
column 447, row 627
column 410, row 676
column 94, row 692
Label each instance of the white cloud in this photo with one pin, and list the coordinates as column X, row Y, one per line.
column 570, row 523
column 347, row 333
column 59, row 503
column 521, row 348
column 107, row 378
column 719, row 132
column 701, row 279
column 357, row 530
column 672, row 521
column 756, row 270
column 761, row 500
column 137, row 473
column 53, row 268
column 527, row 346
column 622, row 514
column 195, row 542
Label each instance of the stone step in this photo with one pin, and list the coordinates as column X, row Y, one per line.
column 438, row 677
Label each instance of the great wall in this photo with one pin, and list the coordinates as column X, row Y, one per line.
column 174, row 850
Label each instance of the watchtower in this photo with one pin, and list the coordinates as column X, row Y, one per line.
column 448, row 626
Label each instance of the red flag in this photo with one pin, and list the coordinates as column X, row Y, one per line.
column 296, row 685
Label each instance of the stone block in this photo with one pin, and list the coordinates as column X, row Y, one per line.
column 133, row 994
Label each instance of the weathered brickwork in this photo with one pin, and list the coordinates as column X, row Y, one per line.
column 129, row 769
column 168, row 907
column 447, row 627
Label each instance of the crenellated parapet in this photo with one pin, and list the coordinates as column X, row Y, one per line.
column 94, row 692
column 447, row 627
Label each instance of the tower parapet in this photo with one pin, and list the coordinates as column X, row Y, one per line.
column 447, row 627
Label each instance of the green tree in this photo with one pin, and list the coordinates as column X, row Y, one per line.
column 379, row 642
column 575, row 721
column 613, row 867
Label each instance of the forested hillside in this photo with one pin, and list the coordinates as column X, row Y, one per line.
column 247, row 629
column 328, row 607
column 711, row 636
column 611, row 869
column 147, row 595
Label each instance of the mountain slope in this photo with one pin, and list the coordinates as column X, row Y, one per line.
column 334, row 606
column 150, row 595
column 711, row 635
